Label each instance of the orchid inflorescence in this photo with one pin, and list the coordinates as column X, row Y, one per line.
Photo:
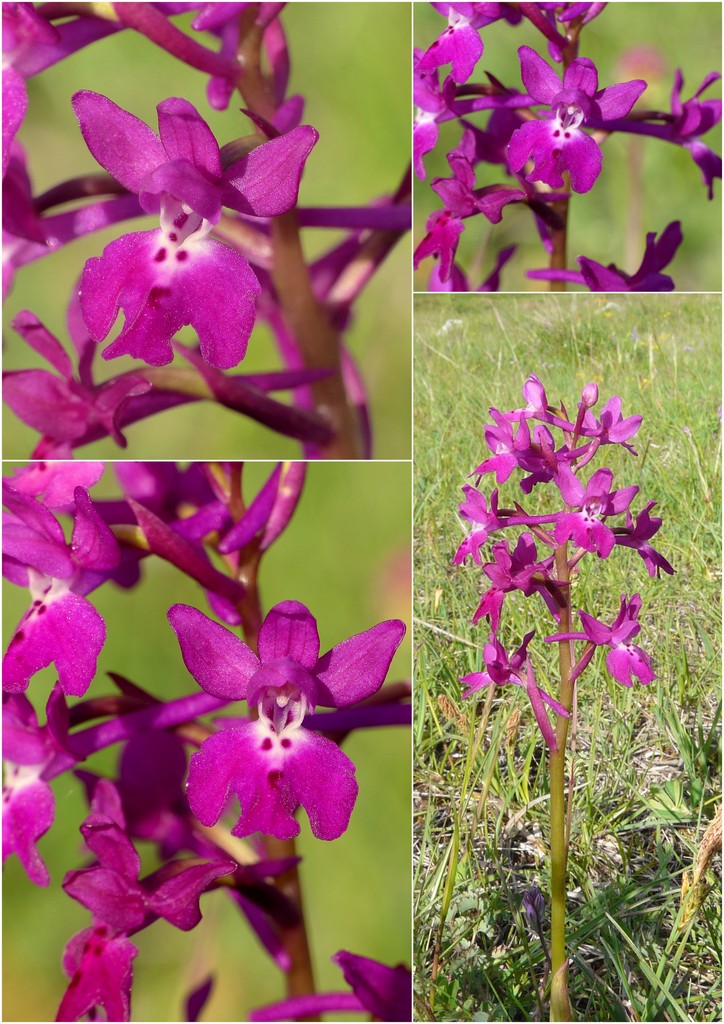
column 224, row 250
column 547, row 446
column 544, row 142
column 276, row 755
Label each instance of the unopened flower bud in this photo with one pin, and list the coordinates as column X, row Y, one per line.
column 589, row 395
column 534, row 906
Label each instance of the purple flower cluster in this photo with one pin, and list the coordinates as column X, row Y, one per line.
column 224, row 249
column 547, row 446
column 544, row 142
column 176, row 773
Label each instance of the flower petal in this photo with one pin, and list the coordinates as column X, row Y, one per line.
column 616, row 101
column 290, row 630
column 120, row 142
column 356, row 668
column 539, row 78
column 220, row 662
column 265, row 183
column 185, row 134
column 93, row 544
column 177, row 898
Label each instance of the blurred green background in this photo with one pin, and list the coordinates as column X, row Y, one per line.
column 346, row 555
column 608, row 224
column 361, row 110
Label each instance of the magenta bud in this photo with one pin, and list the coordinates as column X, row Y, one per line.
column 589, row 395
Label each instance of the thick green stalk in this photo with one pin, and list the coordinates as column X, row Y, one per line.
column 559, row 847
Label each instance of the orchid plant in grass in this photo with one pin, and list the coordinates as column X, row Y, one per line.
column 221, row 248
column 210, row 786
column 540, row 145
column 589, row 518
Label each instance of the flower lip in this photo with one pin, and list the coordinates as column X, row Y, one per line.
column 287, row 679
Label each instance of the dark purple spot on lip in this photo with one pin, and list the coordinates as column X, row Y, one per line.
column 182, row 255
column 274, row 778
column 37, row 604
column 286, row 743
column 43, row 609
column 160, row 256
column 266, row 743
column 18, row 637
column 156, row 294
column 556, row 152
column 567, row 135
column 556, row 133
column 173, row 236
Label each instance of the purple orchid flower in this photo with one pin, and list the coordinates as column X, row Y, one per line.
column 461, row 200
column 625, row 659
column 60, row 626
column 98, row 960
column 516, row 570
column 458, row 193
column 648, row 278
column 558, row 144
column 151, row 787
column 509, row 450
column 64, row 406
column 694, row 117
column 111, row 889
column 688, row 121
column 442, row 237
column 612, row 427
column 637, row 535
column 273, row 763
column 176, row 275
column 595, row 501
column 382, row 992
column 475, row 510
column 502, row 668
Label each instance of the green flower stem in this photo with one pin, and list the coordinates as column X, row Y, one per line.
column 557, row 766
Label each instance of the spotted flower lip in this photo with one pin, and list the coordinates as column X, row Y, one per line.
column 61, row 626
column 558, row 144
column 273, row 763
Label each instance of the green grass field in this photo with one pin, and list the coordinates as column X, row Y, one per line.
column 646, row 771
column 345, row 555
column 644, row 183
